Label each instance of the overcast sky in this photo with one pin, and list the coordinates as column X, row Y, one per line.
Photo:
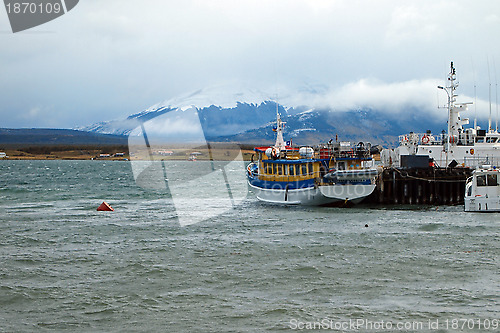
column 107, row 59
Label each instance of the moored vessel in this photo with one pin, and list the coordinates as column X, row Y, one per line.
column 459, row 146
column 482, row 190
column 327, row 174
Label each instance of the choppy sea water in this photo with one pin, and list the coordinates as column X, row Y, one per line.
column 66, row 267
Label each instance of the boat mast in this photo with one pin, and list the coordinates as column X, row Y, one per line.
column 475, row 97
column 455, row 122
column 451, row 99
column 450, row 91
column 496, row 94
column 280, row 143
column 490, row 129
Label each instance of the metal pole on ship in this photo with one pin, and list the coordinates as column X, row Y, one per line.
column 447, row 139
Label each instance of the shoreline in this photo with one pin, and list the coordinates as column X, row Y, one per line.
column 79, row 155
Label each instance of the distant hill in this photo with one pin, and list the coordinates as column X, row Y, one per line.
column 45, row 136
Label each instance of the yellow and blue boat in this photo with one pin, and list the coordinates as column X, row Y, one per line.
column 334, row 173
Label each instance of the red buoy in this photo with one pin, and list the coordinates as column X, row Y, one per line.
column 105, row 207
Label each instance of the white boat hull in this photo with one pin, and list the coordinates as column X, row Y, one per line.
column 353, row 193
column 321, row 195
column 482, row 204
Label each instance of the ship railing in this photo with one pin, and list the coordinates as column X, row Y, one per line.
column 478, row 161
column 352, row 153
column 435, row 139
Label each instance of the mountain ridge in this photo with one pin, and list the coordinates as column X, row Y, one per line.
column 51, row 136
column 252, row 122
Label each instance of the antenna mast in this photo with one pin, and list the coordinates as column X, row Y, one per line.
column 489, row 94
column 496, row 94
column 475, row 97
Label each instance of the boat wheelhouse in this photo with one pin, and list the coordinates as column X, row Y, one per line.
column 328, row 174
column 482, row 190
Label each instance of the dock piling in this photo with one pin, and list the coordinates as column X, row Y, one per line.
column 415, row 186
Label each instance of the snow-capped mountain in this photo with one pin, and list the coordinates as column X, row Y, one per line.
column 125, row 126
column 223, row 110
column 246, row 115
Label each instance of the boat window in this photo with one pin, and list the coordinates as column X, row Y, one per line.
column 310, row 167
column 285, row 169
column 341, row 166
column 492, row 180
column 291, row 173
column 297, row 169
column 274, row 169
column 304, row 169
column 479, row 140
column 269, row 168
column 280, row 169
column 481, row 180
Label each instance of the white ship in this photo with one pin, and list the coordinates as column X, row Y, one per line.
column 482, row 190
column 466, row 147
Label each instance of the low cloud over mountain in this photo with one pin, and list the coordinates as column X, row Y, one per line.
column 366, row 110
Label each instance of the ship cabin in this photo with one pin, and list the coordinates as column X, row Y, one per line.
column 305, row 166
column 482, row 190
column 484, row 183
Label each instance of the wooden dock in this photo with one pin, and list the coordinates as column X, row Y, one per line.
column 420, row 186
